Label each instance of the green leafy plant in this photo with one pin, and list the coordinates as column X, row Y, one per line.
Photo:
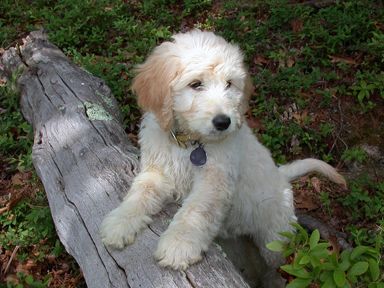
column 376, row 44
column 26, row 224
column 365, row 201
column 313, row 262
column 368, row 237
column 29, row 281
column 16, row 134
column 354, row 154
column 366, row 86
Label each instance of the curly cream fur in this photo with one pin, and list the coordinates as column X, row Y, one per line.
column 238, row 191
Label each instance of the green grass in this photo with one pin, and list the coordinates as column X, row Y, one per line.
column 328, row 63
column 16, row 135
column 27, row 224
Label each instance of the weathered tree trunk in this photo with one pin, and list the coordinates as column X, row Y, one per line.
column 86, row 164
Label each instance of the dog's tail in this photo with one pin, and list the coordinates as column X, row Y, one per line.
column 299, row 168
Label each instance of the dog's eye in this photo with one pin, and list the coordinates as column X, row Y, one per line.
column 229, row 84
column 196, row 85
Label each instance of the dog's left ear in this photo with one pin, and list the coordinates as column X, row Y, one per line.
column 152, row 84
column 248, row 91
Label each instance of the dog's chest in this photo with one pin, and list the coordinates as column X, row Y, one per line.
column 180, row 170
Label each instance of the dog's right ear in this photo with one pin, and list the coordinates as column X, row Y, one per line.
column 152, row 84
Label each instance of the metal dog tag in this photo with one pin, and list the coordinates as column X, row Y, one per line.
column 198, row 156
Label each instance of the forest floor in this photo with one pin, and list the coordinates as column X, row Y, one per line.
column 318, row 72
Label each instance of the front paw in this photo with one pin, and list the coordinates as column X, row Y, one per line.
column 176, row 253
column 118, row 229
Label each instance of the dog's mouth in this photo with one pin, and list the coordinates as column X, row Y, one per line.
column 207, row 129
column 184, row 138
column 215, row 135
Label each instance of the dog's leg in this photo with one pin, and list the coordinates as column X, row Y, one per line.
column 148, row 192
column 271, row 232
column 268, row 233
column 273, row 217
column 197, row 222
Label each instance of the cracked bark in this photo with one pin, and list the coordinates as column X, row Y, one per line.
column 87, row 166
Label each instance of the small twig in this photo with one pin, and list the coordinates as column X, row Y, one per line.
column 36, row 206
column 337, row 135
column 11, row 259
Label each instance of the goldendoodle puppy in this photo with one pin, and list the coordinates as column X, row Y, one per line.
column 197, row 147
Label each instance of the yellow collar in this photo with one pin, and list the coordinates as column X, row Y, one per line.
column 182, row 139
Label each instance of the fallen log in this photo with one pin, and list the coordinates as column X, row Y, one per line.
column 86, row 165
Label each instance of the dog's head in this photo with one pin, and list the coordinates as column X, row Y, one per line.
column 199, row 81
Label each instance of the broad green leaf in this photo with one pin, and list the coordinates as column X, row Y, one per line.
column 304, row 260
column 314, row 239
column 315, row 261
column 373, row 252
column 298, row 272
column 333, row 259
column 288, row 252
column 374, row 269
column 301, row 231
column 288, row 235
column 358, row 268
column 345, row 264
column 357, row 251
column 327, row 280
column 276, row 246
column 329, row 283
column 345, row 254
column 320, row 252
column 339, row 278
column 299, row 283
column 327, row 266
column 326, row 275
column 361, row 95
column 321, row 246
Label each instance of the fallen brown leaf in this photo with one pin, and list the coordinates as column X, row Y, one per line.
column 342, row 59
column 290, row 62
column 260, row 60
column 3, row 82
column 304, row 200
column 17, row 179
column 300, row 117
column 26, row 267
column 297, row 25
column 254, row 123
column 316, row 183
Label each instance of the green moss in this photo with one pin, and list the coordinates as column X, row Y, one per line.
column 96, row 112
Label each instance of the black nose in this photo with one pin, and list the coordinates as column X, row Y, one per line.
column 221, row 122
